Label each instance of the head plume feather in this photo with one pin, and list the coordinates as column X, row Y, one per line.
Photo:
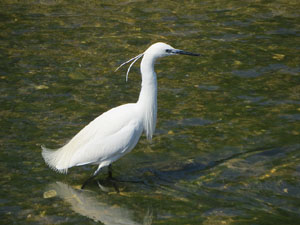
column 134, row 59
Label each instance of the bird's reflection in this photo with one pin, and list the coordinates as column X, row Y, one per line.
column 87, row 204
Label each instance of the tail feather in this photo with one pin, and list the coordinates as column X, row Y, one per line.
column 55, row 159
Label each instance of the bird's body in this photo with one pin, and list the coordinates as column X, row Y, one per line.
column 117, row 131
column 102, row 141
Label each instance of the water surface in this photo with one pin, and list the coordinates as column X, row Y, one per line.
column 226, row 148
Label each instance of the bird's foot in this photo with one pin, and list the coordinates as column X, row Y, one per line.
column 109, row 182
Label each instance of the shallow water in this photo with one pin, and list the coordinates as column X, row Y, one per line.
column 226, row 148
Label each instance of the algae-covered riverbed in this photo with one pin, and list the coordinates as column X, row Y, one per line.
column 226, row 149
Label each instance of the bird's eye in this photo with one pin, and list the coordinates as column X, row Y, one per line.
column 168, row 50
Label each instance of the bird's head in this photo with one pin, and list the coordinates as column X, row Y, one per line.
column 155, row 51
column 160, row 49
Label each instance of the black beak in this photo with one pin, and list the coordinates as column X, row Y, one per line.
column 180, row 52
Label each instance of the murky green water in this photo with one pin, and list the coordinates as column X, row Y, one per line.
column 227, row 145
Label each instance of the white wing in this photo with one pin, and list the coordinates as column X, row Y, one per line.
column 110, row 134
column 109, row 148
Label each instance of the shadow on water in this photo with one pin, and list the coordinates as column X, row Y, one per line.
column 95, row 206
column 208, row 184
column 188, row 170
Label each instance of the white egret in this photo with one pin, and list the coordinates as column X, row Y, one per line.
column 117, row 131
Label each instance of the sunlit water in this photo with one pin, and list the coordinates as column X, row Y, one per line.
column 226, row 149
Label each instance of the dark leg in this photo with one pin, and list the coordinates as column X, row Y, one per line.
column 88, row 180
column 109, row 172
column 91, row 178
column 95, row 174
column 116, row 187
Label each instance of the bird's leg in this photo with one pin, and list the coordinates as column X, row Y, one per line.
column 112, row 180
column 116, row 187
column 88, row 180
column 91, row 178
column 110, row 172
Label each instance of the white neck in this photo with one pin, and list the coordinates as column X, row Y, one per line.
column 148, row 95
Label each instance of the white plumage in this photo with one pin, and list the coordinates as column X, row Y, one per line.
column 117, row 131
column 102, row 141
